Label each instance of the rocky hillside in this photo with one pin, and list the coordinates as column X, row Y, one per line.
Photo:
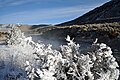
column 108, row 12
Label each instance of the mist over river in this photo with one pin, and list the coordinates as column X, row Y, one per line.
column 56, row 43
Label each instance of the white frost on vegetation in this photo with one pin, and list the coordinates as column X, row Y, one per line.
column 23, row 59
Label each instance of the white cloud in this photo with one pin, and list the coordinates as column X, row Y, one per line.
column 42, row 14
column 4, row 3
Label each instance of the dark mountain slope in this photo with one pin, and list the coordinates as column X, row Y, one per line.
column 108, row 12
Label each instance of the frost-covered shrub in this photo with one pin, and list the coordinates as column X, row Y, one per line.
column 36, row 61
column 105, row 66
column 98, row 64
column 14, row 56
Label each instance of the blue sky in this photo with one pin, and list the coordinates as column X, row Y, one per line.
column 44, row 11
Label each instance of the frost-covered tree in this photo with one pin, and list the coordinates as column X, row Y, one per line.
column 15, row 36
